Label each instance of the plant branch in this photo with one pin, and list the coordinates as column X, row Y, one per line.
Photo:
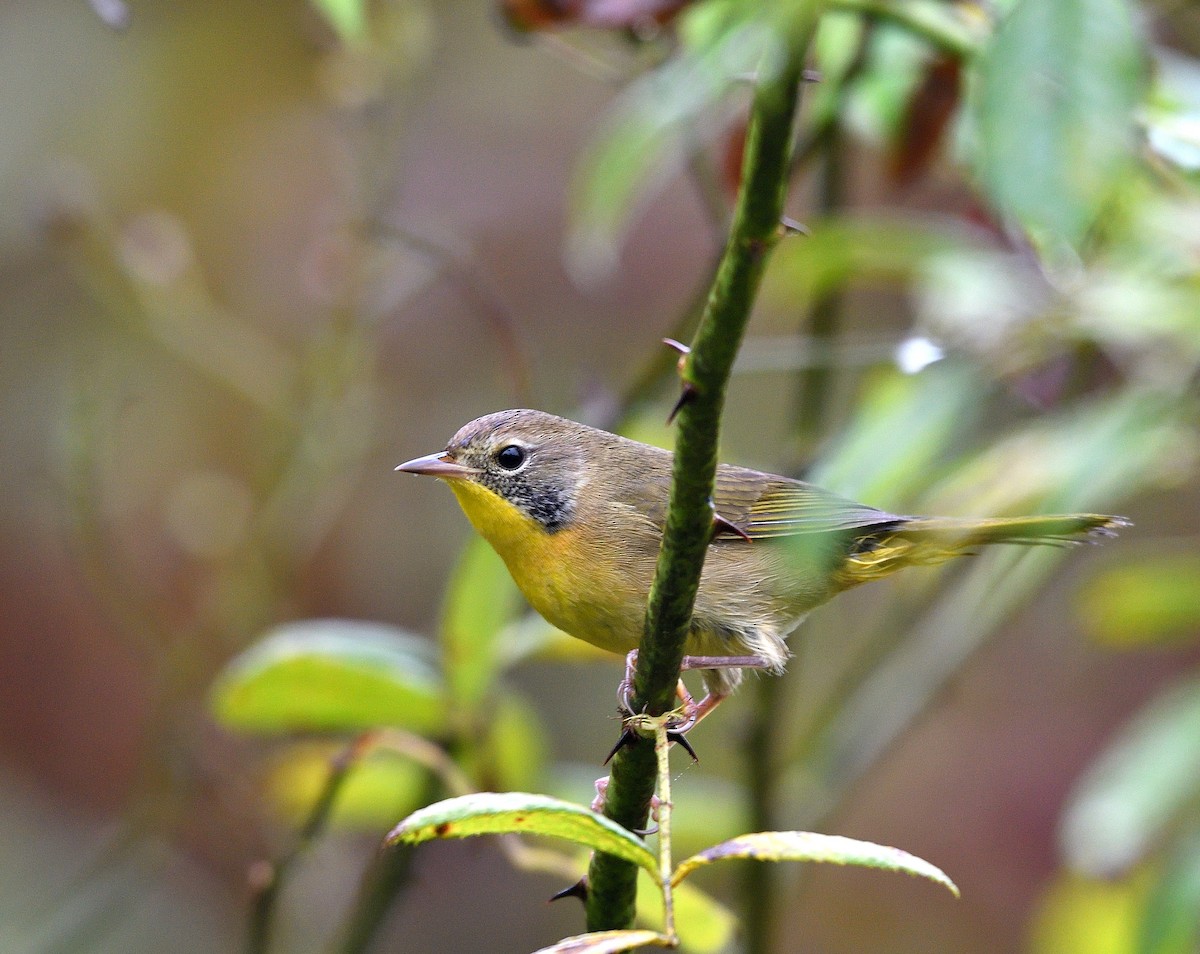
column 612, row 882
column 936, row 29
column 269, row 878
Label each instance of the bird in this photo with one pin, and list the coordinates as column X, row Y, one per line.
column 577, row 515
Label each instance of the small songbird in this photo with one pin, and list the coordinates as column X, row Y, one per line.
column 577, row 515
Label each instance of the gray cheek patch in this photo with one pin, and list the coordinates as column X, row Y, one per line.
column 548, row 505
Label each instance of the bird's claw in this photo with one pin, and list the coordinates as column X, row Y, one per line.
column 676, row 732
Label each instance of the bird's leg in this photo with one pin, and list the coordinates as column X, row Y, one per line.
column 625, row 698
column 625, row 689
column 694, row 711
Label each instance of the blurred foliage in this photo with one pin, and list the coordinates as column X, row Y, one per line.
column 1040, row 246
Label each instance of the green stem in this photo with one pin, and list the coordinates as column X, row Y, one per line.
column 759, row 883
column 388, row 873
column 662, row 750
column 272, row 877
column 612, row 882
column 936, row 29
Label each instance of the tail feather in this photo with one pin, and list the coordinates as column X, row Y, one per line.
column 1050, row 528
column 923, row 541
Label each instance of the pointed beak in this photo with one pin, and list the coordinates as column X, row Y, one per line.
column 437, row 465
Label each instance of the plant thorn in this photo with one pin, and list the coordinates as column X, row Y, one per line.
column 686, row 396
column 578, row 890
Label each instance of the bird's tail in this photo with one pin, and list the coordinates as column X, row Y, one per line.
column 1051, row 528
column 929, row 540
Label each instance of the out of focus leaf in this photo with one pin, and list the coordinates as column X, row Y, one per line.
column 813, row 846
column 647, row 136
column 347, row 17
column 516, row 744
column 480, row 600
column 903, row 426
column 1075, row 462
column 332, row 674
column 490, row 813
column 604, row 942
column 875, row 107
column 866, row 252
column 1172, row 119
column 1081, row 916
column 1068, row 463
column 1137, row 787
column 1149, row 598
column 376, row 790
column 531, row 637
column 1176, row 138
column 926, row 118
column 603, row 14
column 704, row 925
column 1171, row 920
column 1054, row 114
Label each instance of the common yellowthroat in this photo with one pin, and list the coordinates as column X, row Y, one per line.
column 577, row 515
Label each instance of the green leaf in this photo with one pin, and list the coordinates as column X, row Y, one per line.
column 480, row 601
column 1077, row 915
column 489, row 813
column 812, row 846
column 651, row 128
column 904, row 424
column 605, row 942
column 1152, row 598
column 1137, row 787
column 332, row 675
column 1067, row 463
column 866, row 252
column 515, row 747
column 347, row 17
column 1169, row 923
column 376, row 789
column 1054, row 116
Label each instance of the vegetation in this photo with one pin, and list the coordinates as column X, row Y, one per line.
column 1016, row 328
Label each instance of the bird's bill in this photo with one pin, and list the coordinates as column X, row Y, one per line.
column 436, row 465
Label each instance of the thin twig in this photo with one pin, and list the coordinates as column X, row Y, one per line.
column 934, row 29
column 486, row 302
column 268, row 879
column 662, row 750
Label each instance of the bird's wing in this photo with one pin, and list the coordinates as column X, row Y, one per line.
column 763, row 506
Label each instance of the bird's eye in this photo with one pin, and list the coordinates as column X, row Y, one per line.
column 510, row 457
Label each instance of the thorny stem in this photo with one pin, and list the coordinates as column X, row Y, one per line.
column 613, row 882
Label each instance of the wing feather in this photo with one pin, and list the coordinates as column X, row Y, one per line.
column 764, row 506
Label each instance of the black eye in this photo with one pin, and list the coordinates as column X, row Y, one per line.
column 510, row 457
